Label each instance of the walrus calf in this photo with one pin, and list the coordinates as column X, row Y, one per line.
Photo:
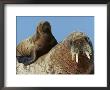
column 29, row 50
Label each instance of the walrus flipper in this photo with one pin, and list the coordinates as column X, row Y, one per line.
column 33, row 57
column 23, row 59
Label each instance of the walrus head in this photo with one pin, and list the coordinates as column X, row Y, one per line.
column 44, row 27
column 81, row 46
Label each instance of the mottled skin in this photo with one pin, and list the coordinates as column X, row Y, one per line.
column 61, row 59
column 37, row 45
column 74, row 55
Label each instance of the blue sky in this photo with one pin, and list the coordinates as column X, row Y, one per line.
column 61, row 26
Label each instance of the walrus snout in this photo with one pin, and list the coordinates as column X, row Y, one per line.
column 44, row 23
column 46, row 27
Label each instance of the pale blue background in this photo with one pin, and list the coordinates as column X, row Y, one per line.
column 62, row 26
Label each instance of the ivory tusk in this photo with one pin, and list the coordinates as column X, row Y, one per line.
column 77, row 58
column 87, row 55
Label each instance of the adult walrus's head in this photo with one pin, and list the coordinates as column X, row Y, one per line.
column 44, row 27
column 37, row 45
column 81, row 45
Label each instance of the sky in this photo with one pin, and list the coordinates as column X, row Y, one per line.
column 61, row 26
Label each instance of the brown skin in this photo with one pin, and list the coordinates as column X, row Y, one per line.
column 43, row 42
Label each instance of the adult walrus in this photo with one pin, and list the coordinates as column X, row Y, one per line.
column 29, row 50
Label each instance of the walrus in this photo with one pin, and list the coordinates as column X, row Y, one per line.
column 81, row 46
column 29, row 50
column 74, row 55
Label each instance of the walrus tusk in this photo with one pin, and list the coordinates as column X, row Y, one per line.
column 77, row 57
column 72, row 56
column 87, row 55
